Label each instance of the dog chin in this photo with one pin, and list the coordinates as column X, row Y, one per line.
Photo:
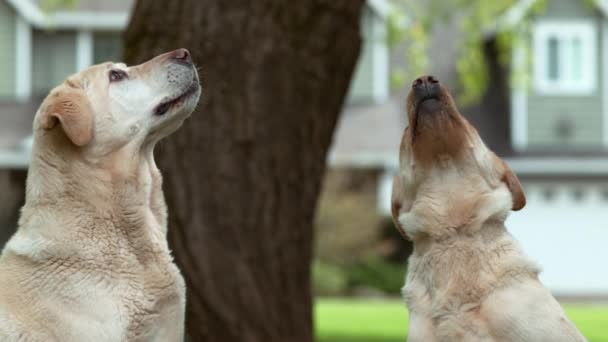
column 429, row 106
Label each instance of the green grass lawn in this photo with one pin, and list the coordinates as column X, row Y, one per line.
column 357, row 320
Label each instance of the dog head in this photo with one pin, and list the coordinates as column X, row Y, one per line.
column 108, row 106
column 444, row 165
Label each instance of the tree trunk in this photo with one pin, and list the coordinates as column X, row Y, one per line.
column 12, row 183
column 243, row 175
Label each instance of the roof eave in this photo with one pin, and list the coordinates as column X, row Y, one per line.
column 516, row 13
column 564, row 166
column 69, row 20
column 86, row 20
column 112, row 21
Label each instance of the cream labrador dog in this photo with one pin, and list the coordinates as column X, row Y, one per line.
column 90, row 261
column 467, row 278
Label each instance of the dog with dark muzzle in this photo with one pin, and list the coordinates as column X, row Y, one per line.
column 468, row 280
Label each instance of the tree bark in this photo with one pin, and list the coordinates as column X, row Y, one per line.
column 12, row 183
column 242, row 176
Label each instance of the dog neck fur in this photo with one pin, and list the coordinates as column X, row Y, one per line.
column 446, row 204
column 127, row 193
column 449, row 182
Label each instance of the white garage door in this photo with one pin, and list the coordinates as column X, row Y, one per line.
column 564, row 227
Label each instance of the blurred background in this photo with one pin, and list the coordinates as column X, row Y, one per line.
column 530, row 75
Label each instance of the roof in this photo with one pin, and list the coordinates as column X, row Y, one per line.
column 368, row 135
column 15, row 130
column 516, row 13
column 106, row 14
column 87, row 14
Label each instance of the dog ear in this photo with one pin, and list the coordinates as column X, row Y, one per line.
column 71, row 109
column 397, row 201
column 512, row 182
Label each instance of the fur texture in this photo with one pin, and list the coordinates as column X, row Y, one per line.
column 467, row 280
column 90, row 260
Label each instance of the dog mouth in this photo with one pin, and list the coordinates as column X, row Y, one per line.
column 430, row 101
column 165, row 106
column 426, row 100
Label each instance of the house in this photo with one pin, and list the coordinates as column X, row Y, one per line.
column 551, row 128
column 559, row 138
column 39, row 48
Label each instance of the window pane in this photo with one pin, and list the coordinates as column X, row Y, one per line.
column 553, row 62
column 575, row 61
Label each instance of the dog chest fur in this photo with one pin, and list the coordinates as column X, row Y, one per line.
column 90, row 260
column 107, row 268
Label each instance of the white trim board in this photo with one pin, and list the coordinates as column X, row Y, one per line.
column 84, row 50
column 385, row 190
column 380, row 62
column 23, row 58
column 549, row 166
column 16, row 160
column 519, row 102
column 604, row 67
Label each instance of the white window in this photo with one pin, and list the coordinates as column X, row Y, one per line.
column 565, row 56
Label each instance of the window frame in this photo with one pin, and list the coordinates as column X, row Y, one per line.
column 587, row 33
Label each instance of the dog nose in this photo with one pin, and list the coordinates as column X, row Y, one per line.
column 426, row 86
column 182, row 56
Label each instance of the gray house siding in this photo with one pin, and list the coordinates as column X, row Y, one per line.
column 107, row 47
column 7, row 48
column 53, row 59
column 550, row 116
column 566, row 120
column 361, row 88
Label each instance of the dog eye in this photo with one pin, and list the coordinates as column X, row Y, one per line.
column 117, row 75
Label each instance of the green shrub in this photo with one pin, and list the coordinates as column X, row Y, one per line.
column 346, row 230
column 377, row 274
column 328, row 279
column 372, row 273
